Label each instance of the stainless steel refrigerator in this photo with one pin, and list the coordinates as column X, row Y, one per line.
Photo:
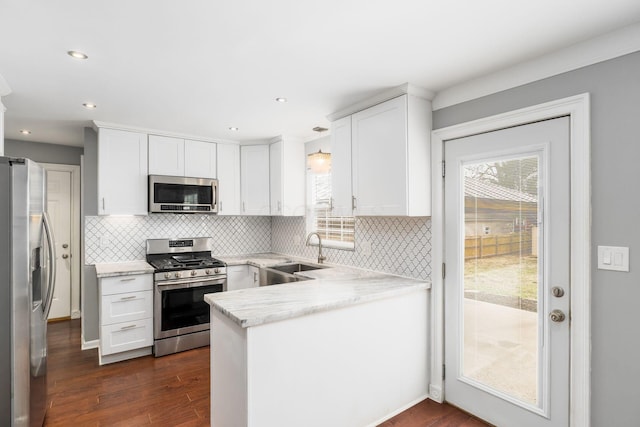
column 27, row 271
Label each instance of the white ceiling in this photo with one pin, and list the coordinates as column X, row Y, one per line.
column 198, row 67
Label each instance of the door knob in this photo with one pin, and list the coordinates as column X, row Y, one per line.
column 557, row 291
column 65, row 256
column 65, row 245
column 557, row 316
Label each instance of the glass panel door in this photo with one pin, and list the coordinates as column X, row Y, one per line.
column 507, row 248
column 500, row 344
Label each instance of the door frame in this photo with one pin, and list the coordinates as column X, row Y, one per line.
column 75, row 232
column 578, row 109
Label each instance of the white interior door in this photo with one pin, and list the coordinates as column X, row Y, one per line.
column 507, row 253
column 59, row 191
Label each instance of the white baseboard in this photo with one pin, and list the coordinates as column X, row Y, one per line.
column 87, row 345
column 399, row 410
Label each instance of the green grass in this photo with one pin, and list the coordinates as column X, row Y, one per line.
column 507, row 275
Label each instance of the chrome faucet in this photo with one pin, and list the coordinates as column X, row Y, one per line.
column 321, row 257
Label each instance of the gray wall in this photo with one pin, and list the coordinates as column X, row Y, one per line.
column 615, row 117
column 42, row 152
column 90, row 330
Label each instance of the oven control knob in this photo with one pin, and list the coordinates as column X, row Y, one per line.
column 193, row 272
column 207, row 271
column 177, row 274
column 216, row 270
column 167, row 275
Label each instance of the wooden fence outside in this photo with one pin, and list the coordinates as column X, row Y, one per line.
column 498, row 244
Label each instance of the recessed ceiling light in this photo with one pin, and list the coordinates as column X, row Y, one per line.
column 89, row 105
column 77, row 54
column 233, row 128
column 283, row 100
column 25, row 131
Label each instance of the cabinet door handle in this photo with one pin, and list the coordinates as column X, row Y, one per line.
column 279, row 206
column 128, row 279
column 127, row 327
column 244, row 208
column 353, row 202
column 128, row 298
column 255, row 277
column 220, row 203
column 103, row 204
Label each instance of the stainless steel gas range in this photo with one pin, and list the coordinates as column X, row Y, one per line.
column 184, row 273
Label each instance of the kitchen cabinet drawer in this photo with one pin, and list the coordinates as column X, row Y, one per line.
column 118, row 308
column 126, row 336
column 126, row 284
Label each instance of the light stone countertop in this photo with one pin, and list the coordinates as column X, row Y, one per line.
column 333, row 287
column 260, row 260
column 114, row 269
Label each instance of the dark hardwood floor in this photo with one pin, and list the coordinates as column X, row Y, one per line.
column 167, row 391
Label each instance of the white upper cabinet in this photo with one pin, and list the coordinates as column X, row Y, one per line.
column 341, row 191
column 275, row 177
column 254, row 179
column 122, row 172
column 390, row 147
column 228, row 179
column 199, row 159
column 166, row 155
column 180, row 157
column 287, row 177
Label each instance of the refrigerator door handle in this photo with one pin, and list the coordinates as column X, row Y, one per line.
column 51, row 279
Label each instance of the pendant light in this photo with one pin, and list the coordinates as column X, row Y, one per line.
column 319, row 162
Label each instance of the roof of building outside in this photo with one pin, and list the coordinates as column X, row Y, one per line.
column 482, row 189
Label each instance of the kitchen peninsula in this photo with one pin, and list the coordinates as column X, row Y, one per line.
column 347, row 348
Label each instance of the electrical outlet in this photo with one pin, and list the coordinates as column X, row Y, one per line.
column 365, row 248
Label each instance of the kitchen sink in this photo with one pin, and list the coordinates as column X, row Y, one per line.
column 283, row 273
column 296, row 267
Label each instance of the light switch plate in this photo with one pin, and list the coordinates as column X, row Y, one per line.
column 614, row 258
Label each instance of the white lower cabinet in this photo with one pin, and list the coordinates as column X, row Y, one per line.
column 122, row 337
column 242, row 277
column 126, row 317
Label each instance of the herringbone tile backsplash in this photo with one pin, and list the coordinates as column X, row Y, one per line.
column 399, row 245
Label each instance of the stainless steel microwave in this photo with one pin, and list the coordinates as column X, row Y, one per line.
column 176, row 194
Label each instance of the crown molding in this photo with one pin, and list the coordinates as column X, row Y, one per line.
column 406, row 88
column 602, row 48
column 96, row 124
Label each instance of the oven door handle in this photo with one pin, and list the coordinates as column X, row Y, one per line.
column 195, row 283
